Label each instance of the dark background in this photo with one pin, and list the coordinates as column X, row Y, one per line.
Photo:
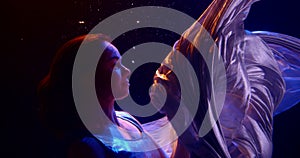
column 33, row 30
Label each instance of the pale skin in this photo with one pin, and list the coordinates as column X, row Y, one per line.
column 120, row 88
column 114, row 85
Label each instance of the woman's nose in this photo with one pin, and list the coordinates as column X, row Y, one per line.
column 126, row 71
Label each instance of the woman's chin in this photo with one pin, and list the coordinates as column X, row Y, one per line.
column 120, row 97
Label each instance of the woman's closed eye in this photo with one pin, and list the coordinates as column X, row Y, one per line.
column 117, row 66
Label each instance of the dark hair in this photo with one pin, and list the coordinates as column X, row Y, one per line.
column 57, row 108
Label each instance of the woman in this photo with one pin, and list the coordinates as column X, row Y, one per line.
column 262, row 71
column 59, row 114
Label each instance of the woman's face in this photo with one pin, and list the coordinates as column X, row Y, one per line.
column 119, row 75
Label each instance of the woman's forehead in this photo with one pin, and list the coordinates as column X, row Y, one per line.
column 111, row 51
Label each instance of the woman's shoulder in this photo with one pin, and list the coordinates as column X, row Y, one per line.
column 130, row 119
column 124, row 114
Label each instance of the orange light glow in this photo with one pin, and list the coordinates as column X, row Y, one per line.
column 163, row 76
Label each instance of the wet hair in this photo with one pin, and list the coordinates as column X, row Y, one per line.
column 57, row 109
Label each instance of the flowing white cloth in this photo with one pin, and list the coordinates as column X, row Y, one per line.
column 262, row 68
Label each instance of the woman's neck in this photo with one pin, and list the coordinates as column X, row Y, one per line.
column 108, row 108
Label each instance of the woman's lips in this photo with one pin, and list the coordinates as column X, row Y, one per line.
column 127, row 82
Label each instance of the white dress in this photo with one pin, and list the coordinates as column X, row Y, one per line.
column 262, row 79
